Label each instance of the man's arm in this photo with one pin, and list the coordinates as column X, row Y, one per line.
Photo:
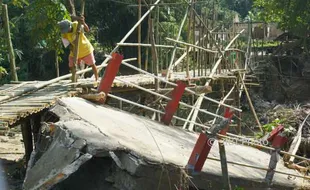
column 82, row 20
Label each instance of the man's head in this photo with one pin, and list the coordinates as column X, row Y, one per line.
column 65, row 26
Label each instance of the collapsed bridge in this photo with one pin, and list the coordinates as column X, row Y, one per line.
column 86, row 143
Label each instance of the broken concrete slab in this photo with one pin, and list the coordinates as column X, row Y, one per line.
column 137, row 153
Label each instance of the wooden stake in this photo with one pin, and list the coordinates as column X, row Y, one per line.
column 9, row 42
column 36, row 127
column 27, row 138
column 225, row 177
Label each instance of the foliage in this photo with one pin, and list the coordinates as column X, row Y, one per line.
column 292, row 15
column 42, row 17
column 3, row 72
column 36, row 37
column 238, row 188
column 288, row 129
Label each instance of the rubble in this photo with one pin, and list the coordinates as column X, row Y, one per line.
column 99, row 147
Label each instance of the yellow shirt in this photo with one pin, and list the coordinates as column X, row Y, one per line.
column 85, row 47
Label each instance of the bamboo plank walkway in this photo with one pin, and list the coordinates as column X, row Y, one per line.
column 22, row 103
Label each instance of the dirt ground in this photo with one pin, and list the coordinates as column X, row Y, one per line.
column 11, row 162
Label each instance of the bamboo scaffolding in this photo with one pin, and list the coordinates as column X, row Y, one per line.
column 167, row 98
column 175, row 44
column 173, row 84
column 185, row 53
column 213, row 71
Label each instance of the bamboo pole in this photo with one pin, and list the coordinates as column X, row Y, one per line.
column 223, row 101
column 259, row 168
column 296, row 142
column 214, row 69
column 250, row 101
column 149, row 45
column 175, row 44
column 139, row 35
column 77, row 44
column 193, row 36
column 146, row 64
column 188, row 39
column 248, row 55
column 9, row 42
column 154, row 55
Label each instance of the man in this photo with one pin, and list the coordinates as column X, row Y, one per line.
column 86, row 50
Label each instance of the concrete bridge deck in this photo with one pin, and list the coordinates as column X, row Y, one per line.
column 90, row 135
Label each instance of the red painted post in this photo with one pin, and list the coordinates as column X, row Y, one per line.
column 110, row 73
column 172, row 105
column 203, row 146
column 227, row 114
column 278, row 139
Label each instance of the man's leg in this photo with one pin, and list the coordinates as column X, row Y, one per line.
column 90, row 61
column 71, row 67
column 95, row 71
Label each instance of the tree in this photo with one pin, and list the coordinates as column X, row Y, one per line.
column 292, row 15
column 240, row 6
column 42, row 17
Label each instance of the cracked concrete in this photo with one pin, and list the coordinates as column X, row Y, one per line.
column 145, row 154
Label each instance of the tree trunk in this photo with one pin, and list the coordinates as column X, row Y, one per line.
column 9, row 42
